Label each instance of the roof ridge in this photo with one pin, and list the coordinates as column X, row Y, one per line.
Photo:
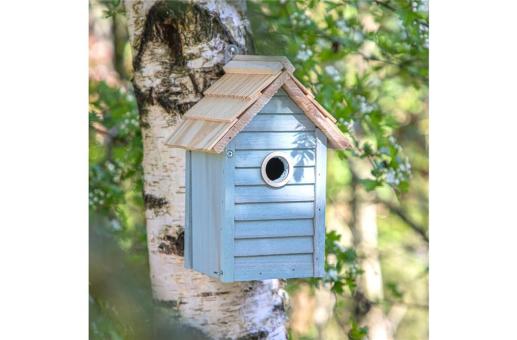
column 266, row 58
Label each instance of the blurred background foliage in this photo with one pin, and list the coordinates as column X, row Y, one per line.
column 367, row 63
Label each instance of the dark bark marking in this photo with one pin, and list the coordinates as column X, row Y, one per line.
column 172, row 105
column 194, row 83
column 205, row 294
column 171, row 23
column 167, row 303
column 153, row 202
column 260, row 335
column 172, row 245
column 279, row 308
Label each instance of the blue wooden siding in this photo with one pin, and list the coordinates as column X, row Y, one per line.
column 275, row 140
column 273, row 266
column 263, row 193
column 253, row 158
column 298, row 122
column 188, row 215
column 274, row 227
column 273, row 211
column 273, row 246
column 320, row 200
column 252, row 176
column 207, row 211
column 237, row 227
column 227, row 231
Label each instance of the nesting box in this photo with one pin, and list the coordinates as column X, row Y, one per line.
column 256, row 173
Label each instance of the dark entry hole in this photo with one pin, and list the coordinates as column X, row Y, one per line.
column 275, row 167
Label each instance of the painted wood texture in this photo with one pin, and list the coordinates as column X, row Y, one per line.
column 188, row 212
column 226, row 229
column 272, row 246
column 251, row 112
column 284, row 270
column 207, row 211
column 264, row 193
column 270, row 122
column 319, row 206
column 254, row 158
column 275, row 140
column 255, row 261
column 274, row 228
column 335, row 136
column 252, row 176
column 279, row 105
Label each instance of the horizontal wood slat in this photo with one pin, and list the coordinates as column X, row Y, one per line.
column 273, row 246
column 335, row 136
column 272, row 211
column 281, row 105
column 272, row 259
column 240, row 85
column 273, row 267
column 244, row 159
column 251, row 112
column 252, row 176
column 196, row 134
column 219, row 109
column 275, row 140
column 274, row 228
column 290, row 193
column 284, row 123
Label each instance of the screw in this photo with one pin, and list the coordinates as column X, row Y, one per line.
column 229, row 153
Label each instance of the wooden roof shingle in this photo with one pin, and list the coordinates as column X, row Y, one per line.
column 232, row 101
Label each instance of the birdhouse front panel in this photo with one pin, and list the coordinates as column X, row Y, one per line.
column 280, row 163
column 256, row 174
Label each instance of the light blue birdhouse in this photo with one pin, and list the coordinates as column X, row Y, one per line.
column 256, row 174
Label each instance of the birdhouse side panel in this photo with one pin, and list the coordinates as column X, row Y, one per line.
column 274, row 226
column 187, row 248
column 320, row 203
column 206, row 208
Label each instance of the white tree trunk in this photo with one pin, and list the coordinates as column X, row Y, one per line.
column 178, row 51
column 370, row 282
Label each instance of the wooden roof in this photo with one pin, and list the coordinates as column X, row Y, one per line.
column 232, row 101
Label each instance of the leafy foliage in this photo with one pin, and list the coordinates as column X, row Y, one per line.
column 115, row 151
column 113, row 7
column 117, row 232
column 357, row 333
column 341, row 265
column 354, row 55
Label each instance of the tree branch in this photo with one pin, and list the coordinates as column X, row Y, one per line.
column 417, row 228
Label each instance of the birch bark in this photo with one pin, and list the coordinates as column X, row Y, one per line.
column 178, row 51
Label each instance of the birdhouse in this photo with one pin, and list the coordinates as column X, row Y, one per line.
column 256, row 174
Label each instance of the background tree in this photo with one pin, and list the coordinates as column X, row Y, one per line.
column 367, row 63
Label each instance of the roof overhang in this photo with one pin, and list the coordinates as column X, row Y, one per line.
column 232, row 101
